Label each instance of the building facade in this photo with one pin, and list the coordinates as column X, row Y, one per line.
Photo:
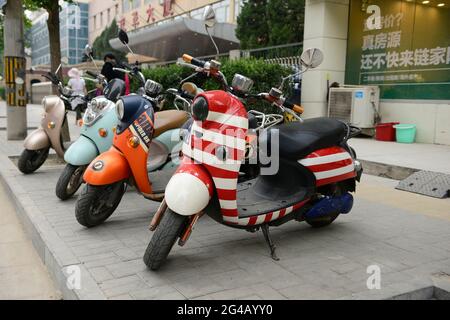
column 133, row 14
column 74, row 34
column 401, row 46
column 142, row 18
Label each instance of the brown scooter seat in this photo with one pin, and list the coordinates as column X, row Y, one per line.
column 167, row 120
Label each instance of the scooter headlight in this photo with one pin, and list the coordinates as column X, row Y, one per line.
column 200, row 109
column 120, row 109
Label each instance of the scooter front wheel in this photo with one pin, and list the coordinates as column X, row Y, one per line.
column 31, row 160
column 97, row 203
column 165, row 236
column 69, row 181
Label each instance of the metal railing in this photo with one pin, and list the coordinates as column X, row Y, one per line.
column 286, row 55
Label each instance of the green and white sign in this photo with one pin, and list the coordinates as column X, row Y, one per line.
column 401, row 46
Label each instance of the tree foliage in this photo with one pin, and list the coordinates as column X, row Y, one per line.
column 264, row 23
column 101, row 45
column 53, row 8
column 264, row 75
column 252, row 28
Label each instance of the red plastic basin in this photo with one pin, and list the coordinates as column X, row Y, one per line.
column 385, row 131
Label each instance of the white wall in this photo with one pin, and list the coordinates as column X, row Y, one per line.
column 326, row 27
column 326, row 23
column 432, row 118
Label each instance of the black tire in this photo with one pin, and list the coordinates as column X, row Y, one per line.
column 163, row 239
column 31, row 160
column 69, row 181
column 94, row 205
column 322, row 221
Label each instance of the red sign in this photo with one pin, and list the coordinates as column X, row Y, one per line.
column 135, row 22
column 150, row 14
column 167, row 8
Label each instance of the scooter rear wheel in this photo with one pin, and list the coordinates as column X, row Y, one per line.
column 163, row 239
column 31, row 160
column 69, row 181
column 97, row 203
column 322, row 221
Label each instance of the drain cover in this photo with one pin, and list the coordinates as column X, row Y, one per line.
column 433, row 184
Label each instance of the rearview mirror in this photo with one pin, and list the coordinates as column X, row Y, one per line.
column 209, row 17
column 311, row 58
column 123, row 37
column 88, row 50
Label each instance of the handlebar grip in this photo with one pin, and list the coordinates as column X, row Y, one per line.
column 298, row 109
column 196, row 62
column 295, row 107
column 187, row 95
column 92, row 74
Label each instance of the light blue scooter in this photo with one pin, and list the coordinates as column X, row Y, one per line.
column 95, row 138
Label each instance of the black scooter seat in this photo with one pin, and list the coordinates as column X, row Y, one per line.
column 299, row 139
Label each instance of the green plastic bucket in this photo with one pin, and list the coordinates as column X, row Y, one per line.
column 405, row 133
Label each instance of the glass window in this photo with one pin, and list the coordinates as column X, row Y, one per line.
column 82, row 43
column 136, row 4
column 126, row 5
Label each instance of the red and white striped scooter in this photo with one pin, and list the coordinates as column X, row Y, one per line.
column 316, row 169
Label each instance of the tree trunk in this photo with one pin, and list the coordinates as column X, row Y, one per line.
column 55, row 43
column 55, row 53
column 15, row 70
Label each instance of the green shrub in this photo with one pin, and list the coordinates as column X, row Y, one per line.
column 263, row 74
column 2, row 93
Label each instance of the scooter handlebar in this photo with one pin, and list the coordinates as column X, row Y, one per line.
column 92, row 74
column 196, row 62
column 294, row 107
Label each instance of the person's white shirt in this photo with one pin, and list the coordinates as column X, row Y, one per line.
column 77, row 85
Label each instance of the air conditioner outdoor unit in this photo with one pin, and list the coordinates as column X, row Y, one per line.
column 357, row 105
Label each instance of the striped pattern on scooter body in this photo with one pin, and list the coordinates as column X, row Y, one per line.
column 227, row 125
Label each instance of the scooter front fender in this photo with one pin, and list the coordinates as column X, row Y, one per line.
column 37, row 140
column 108, row 168
column 189, row 190
column 81, row 152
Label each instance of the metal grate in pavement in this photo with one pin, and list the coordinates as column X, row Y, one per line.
column 429, row 183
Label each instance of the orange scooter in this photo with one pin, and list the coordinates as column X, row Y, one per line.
column 144, row 144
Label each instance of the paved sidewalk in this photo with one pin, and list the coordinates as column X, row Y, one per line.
column 22, row 273
column 421, row 156
column 407, row 235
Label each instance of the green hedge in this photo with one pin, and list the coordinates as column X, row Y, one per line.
column 2, row 93
column 263, row 74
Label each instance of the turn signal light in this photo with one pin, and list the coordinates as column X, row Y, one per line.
column 133, row 142
column 51, row 125
column 102, row 132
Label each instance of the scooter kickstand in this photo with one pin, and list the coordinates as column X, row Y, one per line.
column 265, row 230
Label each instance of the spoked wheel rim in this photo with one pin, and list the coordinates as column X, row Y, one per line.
column 75, row 180
column 106, row 200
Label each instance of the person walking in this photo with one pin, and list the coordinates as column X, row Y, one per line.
column 78, row 86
